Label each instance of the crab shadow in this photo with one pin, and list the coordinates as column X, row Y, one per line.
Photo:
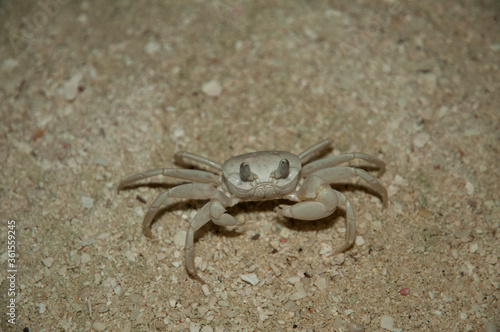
column 254, row 206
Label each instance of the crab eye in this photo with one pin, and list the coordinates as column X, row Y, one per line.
column 245, row 173
column 283, row 169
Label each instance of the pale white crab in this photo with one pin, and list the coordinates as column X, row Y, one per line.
column 258, row 176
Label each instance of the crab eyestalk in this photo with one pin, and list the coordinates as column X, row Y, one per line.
column 245, row 172
column 283, row 169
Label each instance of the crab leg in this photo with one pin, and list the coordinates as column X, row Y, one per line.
column 350, row 222
column 320, row 202
column 336, row 174
column 185, row 174
column 200, row 219
column 190, row 190
column 181, row 155
column 219, row 215
column 215, row 211
column 342, row 158
column 306, row 154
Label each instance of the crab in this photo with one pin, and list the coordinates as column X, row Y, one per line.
column 262, row 176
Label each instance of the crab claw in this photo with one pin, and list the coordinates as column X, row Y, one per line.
column 284, row 210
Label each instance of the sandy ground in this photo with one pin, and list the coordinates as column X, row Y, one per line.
column 92, row 92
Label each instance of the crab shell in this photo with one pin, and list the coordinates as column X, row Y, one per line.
column 263, row 165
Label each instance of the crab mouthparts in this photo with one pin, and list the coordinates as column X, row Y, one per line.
column 265, row 191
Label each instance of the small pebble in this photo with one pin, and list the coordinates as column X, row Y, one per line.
column 325, row 249
column 177, row 133
column 404, row 291
column 359, row 240
column 75, row 257
column 159, row 325
column 300, row 294
column 62, row 271
column 310, row 33
column 355, row 327
column 48, row 261
column 194, row 327
column 42, row 308
column 223, row 303
column 491, row 327
column 320, row 283
column 85, row 258
column 473, row 248
column 71, row 86
column 98, row 326
column 463, row 233
column 87, row 202
column 100, row 161
column 130, row 256
column 421, row 139
column 400, row 181
column 291, row 306
column 232, row 313
column 251, row 278
column 211, row 88
column 446, row 298
column 494, row 47
column 464, row 316
column 205, row 289
column 387, row 322
column 338, row 259
column 88, row 242
column 138, row 211
column 469, row 187
column 428, row 82
column 275, row 269
column 9, row 64
column 180, row 238
column 152, row 47
column 134, row 314
column 468, row 268
column 492, row 259
column 285, row 233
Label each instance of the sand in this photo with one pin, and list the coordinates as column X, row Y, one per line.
column 92, row 92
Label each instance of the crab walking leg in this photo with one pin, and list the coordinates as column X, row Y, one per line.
column 190, row 190
column 350, row 221
column 306, row 154
column 184, row 174
column 181, row 155
column 342, row 158
column 215, row 211
column 200, row 219
column 336, row 174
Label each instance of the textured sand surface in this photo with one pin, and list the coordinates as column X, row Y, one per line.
column 91, row 92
